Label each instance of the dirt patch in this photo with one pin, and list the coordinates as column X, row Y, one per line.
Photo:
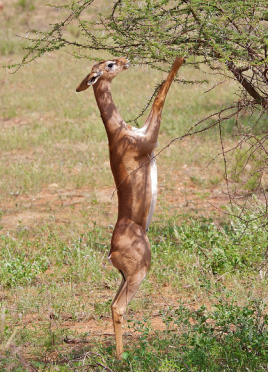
column 27, row 218
column 59, row 204
column 54, row 204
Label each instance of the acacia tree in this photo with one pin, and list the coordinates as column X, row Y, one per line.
column 231, row 37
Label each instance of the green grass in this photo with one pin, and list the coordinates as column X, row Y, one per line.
column 228, row 332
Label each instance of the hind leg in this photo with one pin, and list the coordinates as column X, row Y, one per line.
column 119, row 289
column 127, row 290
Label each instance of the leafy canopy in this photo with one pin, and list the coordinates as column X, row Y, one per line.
column 227, row 35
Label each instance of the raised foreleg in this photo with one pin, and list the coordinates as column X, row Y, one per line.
column 153, row 121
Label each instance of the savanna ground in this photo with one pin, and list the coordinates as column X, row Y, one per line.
column 203, row 304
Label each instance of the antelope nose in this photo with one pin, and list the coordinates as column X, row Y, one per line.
column 127, row 65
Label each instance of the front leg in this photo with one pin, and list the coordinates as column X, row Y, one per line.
column 154, row 119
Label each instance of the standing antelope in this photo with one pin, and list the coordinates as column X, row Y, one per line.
column 130, row 149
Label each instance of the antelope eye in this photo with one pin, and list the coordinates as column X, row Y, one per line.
column 110, row 65
column 92, row 79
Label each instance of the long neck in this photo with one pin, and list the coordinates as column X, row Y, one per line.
column 109, row 114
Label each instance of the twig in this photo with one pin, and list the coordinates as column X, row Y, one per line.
column 221, row 82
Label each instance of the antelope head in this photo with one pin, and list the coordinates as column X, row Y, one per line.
column 106, row 70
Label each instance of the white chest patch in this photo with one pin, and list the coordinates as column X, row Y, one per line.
column 140, row 131
column 153, row 169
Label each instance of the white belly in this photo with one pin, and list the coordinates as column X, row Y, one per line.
column 153, row 169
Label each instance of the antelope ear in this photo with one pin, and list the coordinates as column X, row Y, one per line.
column 90, row 79
column 84, row 84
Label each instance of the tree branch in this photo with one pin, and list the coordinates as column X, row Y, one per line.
column 246, row 84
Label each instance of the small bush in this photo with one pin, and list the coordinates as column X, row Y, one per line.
column 227, row 338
